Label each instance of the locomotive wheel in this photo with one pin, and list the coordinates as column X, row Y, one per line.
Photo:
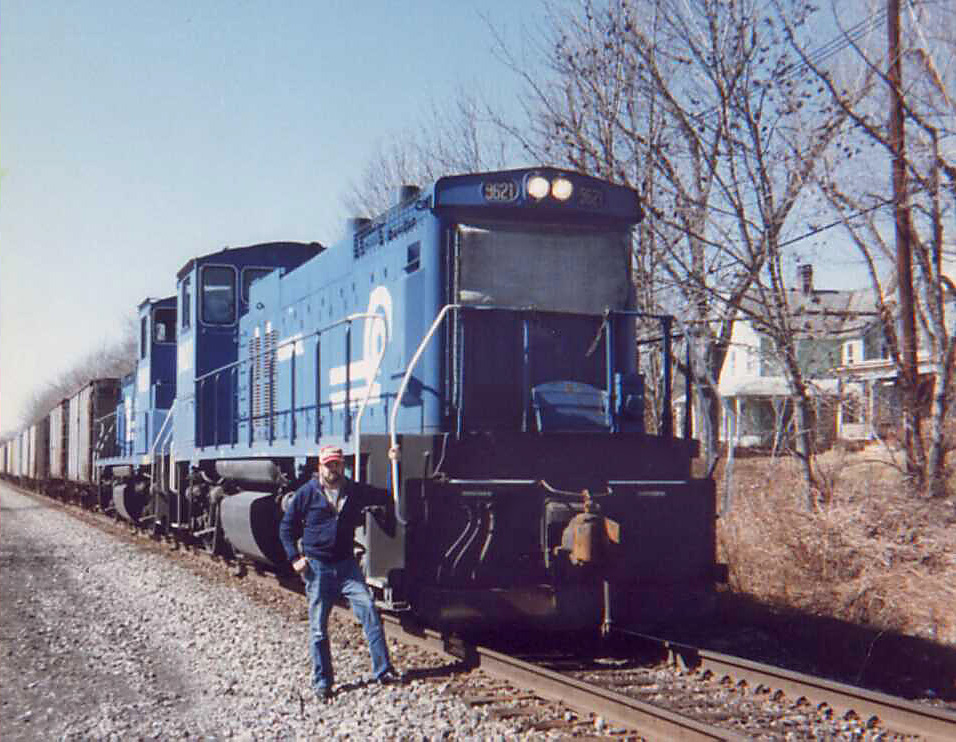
column 158, row 530
column 210, row 541
column 213, row 541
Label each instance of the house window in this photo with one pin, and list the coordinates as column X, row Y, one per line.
column 413, row 257
column 851, row 410
column 849, row 354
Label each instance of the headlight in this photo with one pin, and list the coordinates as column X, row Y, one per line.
column 538, row 187
column 562, row 189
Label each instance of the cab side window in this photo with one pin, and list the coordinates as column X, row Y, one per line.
column 164, row 326
column 218, row 295
column 184, row 306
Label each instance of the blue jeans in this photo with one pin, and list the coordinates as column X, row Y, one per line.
column 324, row 583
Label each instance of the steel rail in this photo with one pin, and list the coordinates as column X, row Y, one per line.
column 898, row 714
column 644, row 718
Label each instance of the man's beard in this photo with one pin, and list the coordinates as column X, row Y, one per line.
column 331, row 478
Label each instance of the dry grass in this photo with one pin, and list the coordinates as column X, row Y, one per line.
column 876, row 555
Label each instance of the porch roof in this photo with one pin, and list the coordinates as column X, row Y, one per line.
column 775, row 386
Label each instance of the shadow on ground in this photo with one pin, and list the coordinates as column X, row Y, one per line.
column 864, row 656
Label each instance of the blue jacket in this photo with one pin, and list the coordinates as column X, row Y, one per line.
column 326, row 534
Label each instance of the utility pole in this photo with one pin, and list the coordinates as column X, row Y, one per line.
column 904, row 260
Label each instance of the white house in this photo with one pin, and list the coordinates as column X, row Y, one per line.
column 830, row 327
column 844, row 356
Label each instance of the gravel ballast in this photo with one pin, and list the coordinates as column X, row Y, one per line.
column 102, row 639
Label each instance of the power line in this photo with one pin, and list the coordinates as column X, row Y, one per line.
column 820, row 54
column 836, row 223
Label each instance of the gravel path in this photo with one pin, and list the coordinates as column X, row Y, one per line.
column 101, row 639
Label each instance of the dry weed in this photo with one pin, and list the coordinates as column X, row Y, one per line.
column 875, row 555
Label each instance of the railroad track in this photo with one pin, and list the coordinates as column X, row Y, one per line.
column 637, row 717
column 896, row 714
column 685, row 693
column 787, row 699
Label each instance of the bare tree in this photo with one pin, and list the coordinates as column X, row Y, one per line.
column 114, row 359
column 703, row 109
column 925, row 89
column 454, row 136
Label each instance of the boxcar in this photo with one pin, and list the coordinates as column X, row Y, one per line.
column 85, row 434
column 38, row 465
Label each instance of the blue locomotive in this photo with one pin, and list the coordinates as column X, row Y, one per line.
column 485, row 329
column 181, row 338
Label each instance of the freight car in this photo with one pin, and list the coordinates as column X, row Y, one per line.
column 38, row 452
column 88, row 438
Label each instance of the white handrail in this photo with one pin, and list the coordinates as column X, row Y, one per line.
column 393, row 440
column 159, row 436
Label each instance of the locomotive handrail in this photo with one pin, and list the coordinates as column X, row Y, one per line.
column 667, row 413
column 290, row 341
column 294, row 341
column 159, row 435
column 368, row 390
column 491, row 481
column 100, row 423
column 393, row 437
column 393, row 421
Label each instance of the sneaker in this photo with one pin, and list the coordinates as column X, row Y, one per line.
column 324, row 694
column 389, row 676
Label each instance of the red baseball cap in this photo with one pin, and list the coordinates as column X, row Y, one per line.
column 330, row 453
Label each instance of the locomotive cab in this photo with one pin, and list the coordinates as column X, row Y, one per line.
column 129, row 436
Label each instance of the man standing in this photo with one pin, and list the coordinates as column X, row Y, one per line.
column 324, row 513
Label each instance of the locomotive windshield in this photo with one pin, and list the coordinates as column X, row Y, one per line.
column 555, row 269
column 534, row 302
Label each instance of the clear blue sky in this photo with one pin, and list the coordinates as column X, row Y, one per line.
column 135, row 135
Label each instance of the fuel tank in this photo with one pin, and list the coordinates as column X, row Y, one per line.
column 130, row 498
column 250, row 521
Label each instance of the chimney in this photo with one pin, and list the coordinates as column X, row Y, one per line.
column 407, row 193
column 805, row 274
column 355, row 223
